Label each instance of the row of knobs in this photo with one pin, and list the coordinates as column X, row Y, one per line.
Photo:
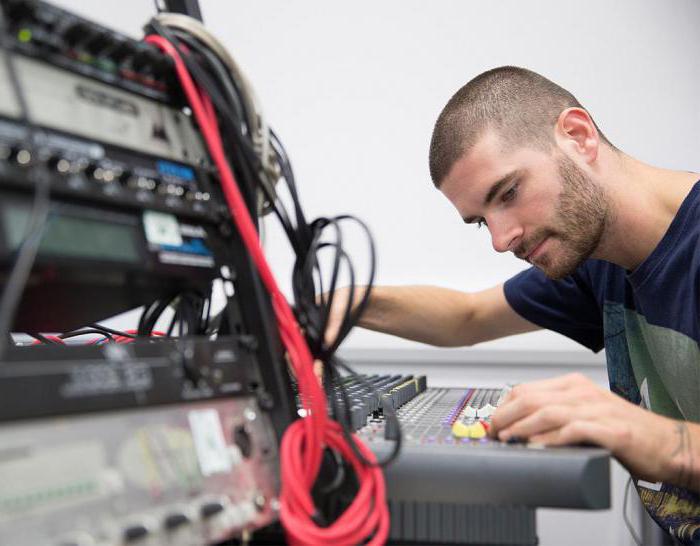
column 231, row 516
column 73, row 33
column 23, row 157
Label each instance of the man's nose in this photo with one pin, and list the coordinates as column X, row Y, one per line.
column 504, row 237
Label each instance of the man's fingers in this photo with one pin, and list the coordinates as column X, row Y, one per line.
column 549, row 418
column 576, row 432
column 539, row 422
column 318, row 370
column 520, row 407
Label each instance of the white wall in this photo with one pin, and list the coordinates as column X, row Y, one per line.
column 353, row 89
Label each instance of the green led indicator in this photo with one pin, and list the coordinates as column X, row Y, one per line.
column 24, row 35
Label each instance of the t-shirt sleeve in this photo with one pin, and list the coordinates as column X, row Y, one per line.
column 566, row 306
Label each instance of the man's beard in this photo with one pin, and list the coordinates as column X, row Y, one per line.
column 580, row 221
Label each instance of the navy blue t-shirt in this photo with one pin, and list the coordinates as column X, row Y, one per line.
column 648, row 322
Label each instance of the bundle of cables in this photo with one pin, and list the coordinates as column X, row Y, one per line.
column 250, row 160
column 191, row 315
column 107, row 334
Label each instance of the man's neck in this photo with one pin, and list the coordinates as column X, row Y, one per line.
column 643, row 202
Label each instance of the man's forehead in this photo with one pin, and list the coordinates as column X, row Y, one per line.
column 487, row 161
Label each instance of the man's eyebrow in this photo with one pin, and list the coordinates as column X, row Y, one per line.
column 493, row 191
column 496, row 187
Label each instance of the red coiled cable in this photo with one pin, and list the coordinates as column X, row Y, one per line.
column 304, row 440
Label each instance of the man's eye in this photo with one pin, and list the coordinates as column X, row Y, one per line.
column 510, row 194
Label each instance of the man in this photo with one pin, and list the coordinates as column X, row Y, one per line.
column 614, row 245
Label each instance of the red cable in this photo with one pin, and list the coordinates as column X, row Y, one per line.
column 126, row 339
column 55, row 339
column 303, row 441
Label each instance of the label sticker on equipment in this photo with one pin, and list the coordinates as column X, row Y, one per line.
column 176, row 258
column 161, row 228
column 649, row 485
column 209, row 441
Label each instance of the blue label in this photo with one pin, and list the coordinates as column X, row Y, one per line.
column 175, row 169
column 194, row 246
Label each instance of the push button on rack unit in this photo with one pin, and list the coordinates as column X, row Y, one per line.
column 211, row 509
column 135, row 532
column 175, row 521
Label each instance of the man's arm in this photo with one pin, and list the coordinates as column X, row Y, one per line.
column 572, row 409
column 437, row 316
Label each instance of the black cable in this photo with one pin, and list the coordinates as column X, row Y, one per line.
column 147, row 310
column 307, row 240
column 288, row 177
column 339, row 478
column 314, row 320
column 389, row 414
column 42, row 338
column 242, row 157
column 151, row 314
column 206, row 313
column 87, row 331
column 239, row 148
column 104, row 330
column 181, row 320
column 185, row 316
column 355, row 313
column 314, row 315
column 222, row 97
column 231, row 90
column 171, row 327
column 28, row 249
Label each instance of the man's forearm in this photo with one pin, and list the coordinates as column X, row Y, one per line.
column 683, row 461
column 659, row 449
column 437, row 316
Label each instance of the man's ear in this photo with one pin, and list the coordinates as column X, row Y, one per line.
column 576, row 132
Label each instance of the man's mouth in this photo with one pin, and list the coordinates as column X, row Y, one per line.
column 534, row 252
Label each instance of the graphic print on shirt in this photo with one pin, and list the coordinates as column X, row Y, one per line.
column 656, row 352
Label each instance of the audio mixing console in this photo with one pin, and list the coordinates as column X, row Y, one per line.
column 447, row 456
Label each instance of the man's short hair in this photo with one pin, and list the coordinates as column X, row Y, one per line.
column 519, row 104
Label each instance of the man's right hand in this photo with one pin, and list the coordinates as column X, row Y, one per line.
column 336, row 317
column 338, row 309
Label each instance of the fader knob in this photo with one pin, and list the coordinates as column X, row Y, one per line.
column 485, row 411
column 210, row 509
column 134, row 533
column 174, row 521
